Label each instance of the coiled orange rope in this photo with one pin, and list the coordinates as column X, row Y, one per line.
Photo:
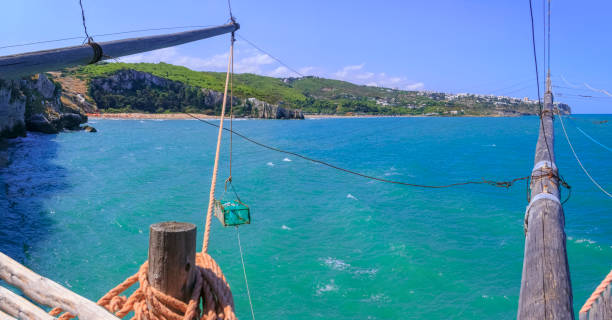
column 210, row 290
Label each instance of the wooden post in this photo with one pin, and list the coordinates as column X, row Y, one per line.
column 172, row 247
column 21, row 308
column 546, row 291
column 25, row 64
column 49, row 293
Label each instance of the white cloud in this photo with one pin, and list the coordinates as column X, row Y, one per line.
column 251, row 61
column 348, row 70
column 308, row 70
column 358, row 74
column 280, row 72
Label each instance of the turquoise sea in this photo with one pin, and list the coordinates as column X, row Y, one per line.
column 323, row 244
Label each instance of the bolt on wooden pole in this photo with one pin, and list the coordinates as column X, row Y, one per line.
column 172, row 248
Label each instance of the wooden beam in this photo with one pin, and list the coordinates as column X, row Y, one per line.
column 172, row 247
column 48, row 292
column 4, row 316
column 25, row 64
column 546, row 291
column 21, row 308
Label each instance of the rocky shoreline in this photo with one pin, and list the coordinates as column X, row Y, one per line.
column 35, row 104
column 183, row 116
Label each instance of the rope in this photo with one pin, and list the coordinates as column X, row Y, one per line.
column 101, row 35
column 88, row 38
column 213, row 183
column 229, row 179
column 593, row 139
column 210, row 290
column 271, row 56
column 246, row 281
column 548, row 39
column 501, row 184
column 229, row 6
column 580, row 162
column 597, row 293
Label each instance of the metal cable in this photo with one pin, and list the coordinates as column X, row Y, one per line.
column 271, row 56
column 88, row 38
column 580, row 162
column 101, row 35
column 503, row 184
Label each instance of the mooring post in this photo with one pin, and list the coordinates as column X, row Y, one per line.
column 172, row 248
column 546, row 290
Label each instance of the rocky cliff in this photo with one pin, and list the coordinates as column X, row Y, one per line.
column 260, row 109
column 129, row 90
column 12, row 110
column 35, row 105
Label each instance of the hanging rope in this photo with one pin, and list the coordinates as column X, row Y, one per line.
column 593, row 139
column 213, row 183
column 229, row 179
column 87, row 37
column 246, row 281
column 580, row 162
column 98, row 54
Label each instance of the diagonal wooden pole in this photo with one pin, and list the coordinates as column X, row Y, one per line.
column 25, row 64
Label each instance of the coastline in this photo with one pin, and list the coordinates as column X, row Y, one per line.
column 182, row 116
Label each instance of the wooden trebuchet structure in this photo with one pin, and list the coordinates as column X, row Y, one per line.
column 546, row 291
column 173, row 284
column 599, row 305
column 25, row 64
column 43, row 291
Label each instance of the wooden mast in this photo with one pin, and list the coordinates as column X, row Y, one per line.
column 546, row 291
column 25, row 64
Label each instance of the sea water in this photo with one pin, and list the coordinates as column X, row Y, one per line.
column 76, row 207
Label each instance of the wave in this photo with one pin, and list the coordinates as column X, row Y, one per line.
column 284, row 227
column 270, row 164
column 380, row 297
column 350, row 196
column 589, row 241
column 340, row 265
column 328, row 287
column 336, row 264
column 287, row 160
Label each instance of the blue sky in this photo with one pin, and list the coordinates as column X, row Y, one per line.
column 441, row 45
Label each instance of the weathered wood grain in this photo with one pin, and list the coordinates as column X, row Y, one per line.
column 21, row 308
column 546, row 291
column 20, row 65
column 48, row 292
column 4, row 316
column 172, row 248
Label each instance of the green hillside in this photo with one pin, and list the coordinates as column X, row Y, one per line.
column 323, row 96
